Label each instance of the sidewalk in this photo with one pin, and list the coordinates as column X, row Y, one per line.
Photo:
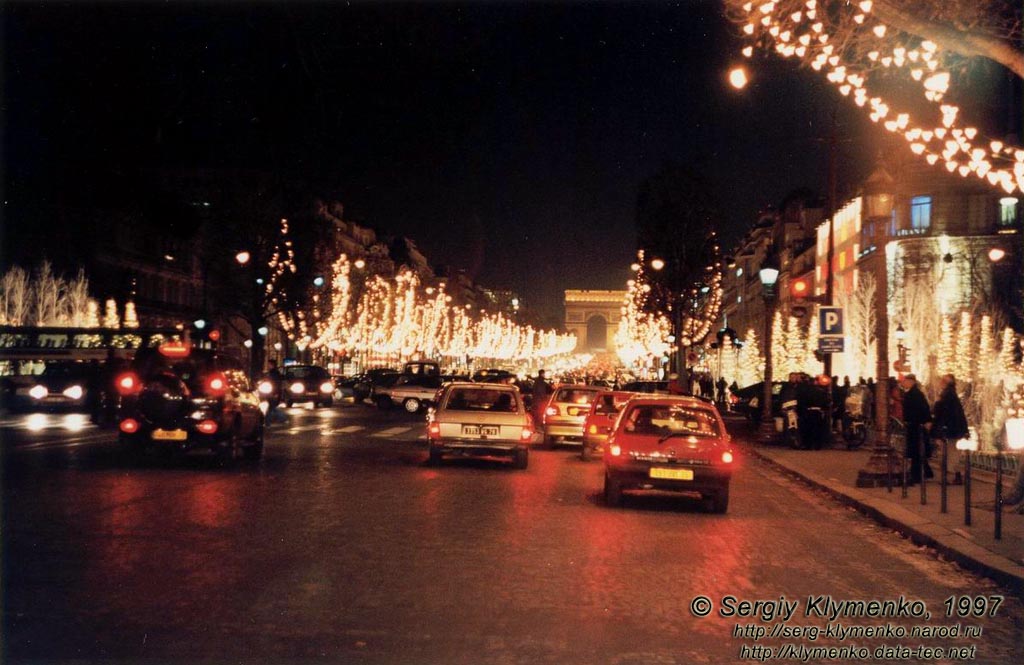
column 973, row 547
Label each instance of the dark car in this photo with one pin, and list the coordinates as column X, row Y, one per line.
column 62, row 386
column 364, row 384
column 646, row 387
column 493, row 376
column 676, row 444
column 748, row 400
column 178, row 398
column 306, row 383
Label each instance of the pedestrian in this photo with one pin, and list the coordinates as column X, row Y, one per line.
column 541, row 392
column 720, row 390
column 949, row 422
column 918, row 416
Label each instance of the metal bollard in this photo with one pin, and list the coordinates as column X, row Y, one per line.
column 967, row 489
column 999, row 493
column 942, row 481
column 903, row 464
column 922, row 458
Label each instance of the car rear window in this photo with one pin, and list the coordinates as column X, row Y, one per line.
column 479, row 399
column 575, row 395
column 662, row 419
column 607, row 404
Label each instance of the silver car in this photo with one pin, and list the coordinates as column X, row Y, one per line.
column 480, row 419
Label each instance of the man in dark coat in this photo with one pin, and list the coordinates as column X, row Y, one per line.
column 916, row 415
column 948, row 419
column 541, row 392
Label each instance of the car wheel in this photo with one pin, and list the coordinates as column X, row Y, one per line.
column 384, row 402
column 549, row 441
column 254, row 451
column 412, row 405
column 612, row 491
column 720, row 501
column 434, row 456
column 288, row 403
column 522, row 459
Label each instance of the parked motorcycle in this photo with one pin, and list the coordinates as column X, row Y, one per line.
column 856, row 411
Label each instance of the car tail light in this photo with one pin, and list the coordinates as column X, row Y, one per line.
column 551, row 411
column 74, row 392
column 615, row 450
column 434, row 430
column 39, row 392
column 129, row 426
column 593, row 429
column 217, row 384
column 207, row 426
column 266, row 387
column 727, row 457
column 326, row 387
column 297, row 388
column 128, row 383
column 526, row 434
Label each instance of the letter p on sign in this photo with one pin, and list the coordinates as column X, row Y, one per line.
column 830, row 321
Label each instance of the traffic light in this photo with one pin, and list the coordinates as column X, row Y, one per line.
column 800, row 288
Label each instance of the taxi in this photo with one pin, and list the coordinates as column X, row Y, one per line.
column 676, row 444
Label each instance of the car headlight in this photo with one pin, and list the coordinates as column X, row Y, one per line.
column 74, row 392
column 38, row 392
column 266, row 387
column 327, row 387
column 297, row 388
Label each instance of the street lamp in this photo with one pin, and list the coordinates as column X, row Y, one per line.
column 769, row 275
column 657, row 264
column 243, row 257
column 879, row 205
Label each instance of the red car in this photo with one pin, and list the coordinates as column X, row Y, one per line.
column 600, row 421
column 676, row 444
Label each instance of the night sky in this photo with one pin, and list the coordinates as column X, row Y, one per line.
column 508, row 139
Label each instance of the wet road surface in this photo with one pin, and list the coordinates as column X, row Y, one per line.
column 342, row 545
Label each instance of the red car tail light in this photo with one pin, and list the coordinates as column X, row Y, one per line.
column 615, row 450
column 207, row 426
column 128, row 383
column 217, row 384
column 434, row 430
column 526, row 434
column 129, row 426
column 551, row 411
column 727, row 457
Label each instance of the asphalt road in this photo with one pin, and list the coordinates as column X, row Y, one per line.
column 343, row 546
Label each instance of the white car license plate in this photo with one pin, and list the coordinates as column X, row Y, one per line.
column 480, row 430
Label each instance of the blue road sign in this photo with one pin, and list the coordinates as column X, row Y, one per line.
column 830, row 321
column 831, row 344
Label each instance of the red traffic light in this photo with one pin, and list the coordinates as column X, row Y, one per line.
column 213, row 335
column 800, row 288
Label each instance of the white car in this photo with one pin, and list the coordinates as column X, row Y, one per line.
column 480, row 419
column 412, row 391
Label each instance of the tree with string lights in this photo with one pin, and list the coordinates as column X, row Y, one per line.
column 875, row 51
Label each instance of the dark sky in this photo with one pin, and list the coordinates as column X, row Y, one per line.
column 507, row 138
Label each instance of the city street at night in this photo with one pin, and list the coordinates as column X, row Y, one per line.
column 343, row 544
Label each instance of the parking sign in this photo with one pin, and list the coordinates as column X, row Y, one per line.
column 830, row 321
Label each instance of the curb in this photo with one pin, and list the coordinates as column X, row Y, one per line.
column 920, row 530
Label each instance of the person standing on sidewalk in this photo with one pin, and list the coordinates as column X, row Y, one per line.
column 948, row 420
column 918, row 416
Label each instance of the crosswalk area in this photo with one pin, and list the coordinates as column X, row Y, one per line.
column 401, row 433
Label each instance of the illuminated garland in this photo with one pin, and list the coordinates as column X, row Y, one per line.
column 398, row 317
column 806, row 30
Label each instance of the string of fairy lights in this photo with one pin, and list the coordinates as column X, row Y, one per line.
column 399, row 316
column 806, row 29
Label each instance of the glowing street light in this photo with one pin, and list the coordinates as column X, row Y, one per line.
column 243, row 257
column 738, row 78
column 995, row 255
column 657, row 264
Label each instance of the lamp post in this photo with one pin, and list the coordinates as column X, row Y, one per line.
column 769, row 275
column 879, row 206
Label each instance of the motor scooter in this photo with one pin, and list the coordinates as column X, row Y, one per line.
column 855, row 416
